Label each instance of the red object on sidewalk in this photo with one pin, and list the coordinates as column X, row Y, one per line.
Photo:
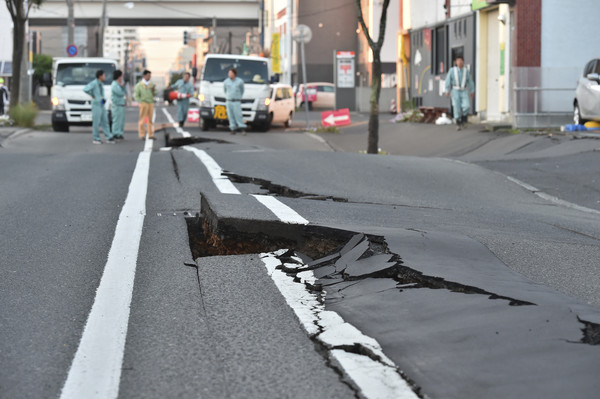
column 193, row 115
column 340, row 117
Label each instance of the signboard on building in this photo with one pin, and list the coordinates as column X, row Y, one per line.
column 275, row 53
column 345, row 69
column 477, row 4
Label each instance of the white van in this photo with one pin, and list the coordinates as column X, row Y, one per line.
column 70, row 105
column 256, row 74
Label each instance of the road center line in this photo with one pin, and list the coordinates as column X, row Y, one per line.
column 177, row 128
column 282, row 211
column 225, row 186
column 96, row 368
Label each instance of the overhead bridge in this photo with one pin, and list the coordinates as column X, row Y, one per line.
column 150, row 13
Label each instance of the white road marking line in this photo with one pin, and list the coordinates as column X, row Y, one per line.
column 224, row 185
column 374, row 379
column 96, row 368
column 553, row 199
column 175, row 125
column 282, row 211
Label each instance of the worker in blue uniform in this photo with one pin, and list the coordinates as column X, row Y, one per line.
column 95, row 89
column 185, row 90
column 234, row 92
column 460, row 86
column 118, row 95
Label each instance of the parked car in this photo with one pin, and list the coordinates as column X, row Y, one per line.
column 281, row 104
column 586, row 105
column 322, row 97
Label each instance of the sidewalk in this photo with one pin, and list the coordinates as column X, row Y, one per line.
column 473, row 143
column 11, row 132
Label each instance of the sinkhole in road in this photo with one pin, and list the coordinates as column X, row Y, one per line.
column 206, row 239
column 335, row 256
column 183, row 141
column 339, row 259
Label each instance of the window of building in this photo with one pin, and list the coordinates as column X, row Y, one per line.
column 440, row 52
column 457, row 51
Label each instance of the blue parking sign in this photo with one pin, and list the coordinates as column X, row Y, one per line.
column 72, row 50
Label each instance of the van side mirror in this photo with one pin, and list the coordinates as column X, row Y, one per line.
column 594, row 76
column 275, row 78
column 47, row 79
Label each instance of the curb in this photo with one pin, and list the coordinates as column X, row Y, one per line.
column 18, row 133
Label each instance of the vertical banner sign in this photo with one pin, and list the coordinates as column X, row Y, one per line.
column 502, row 56
column 275, row 55
column 345, row 69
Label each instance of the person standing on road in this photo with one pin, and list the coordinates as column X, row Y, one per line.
column 234, row 91
column 95, row 89
column 3, row 96
column 144, row 94
column 117, row 97
column 459, row 84
column 185, row 88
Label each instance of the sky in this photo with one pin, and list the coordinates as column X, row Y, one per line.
column 161, row 45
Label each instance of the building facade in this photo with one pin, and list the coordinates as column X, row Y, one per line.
column 525, row 66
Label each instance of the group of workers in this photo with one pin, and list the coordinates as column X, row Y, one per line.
column 144, row 93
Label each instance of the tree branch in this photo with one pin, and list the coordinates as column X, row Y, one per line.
column 361, row 20
column 11, row 8
column 382, row 23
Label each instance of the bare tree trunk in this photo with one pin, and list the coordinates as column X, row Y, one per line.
column 18, row 15
column 373, row 141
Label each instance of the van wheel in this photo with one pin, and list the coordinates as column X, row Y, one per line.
column 60, row 127
column 206, row 124
column 288, row 122
column 264, row 127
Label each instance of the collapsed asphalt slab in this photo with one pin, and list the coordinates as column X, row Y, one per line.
column 456, row 320
column 461, row 324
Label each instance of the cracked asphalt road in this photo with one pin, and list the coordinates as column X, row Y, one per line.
column 221, row 329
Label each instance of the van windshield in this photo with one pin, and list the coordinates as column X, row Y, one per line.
column 250, row 71
column 82, row 73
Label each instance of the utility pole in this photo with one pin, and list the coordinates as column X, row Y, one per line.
column 214, row 35
column 70, row 23
column 288, row 44
column 103, row 24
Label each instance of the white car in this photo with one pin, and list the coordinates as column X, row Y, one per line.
column 281, row 104
column 586, row 104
